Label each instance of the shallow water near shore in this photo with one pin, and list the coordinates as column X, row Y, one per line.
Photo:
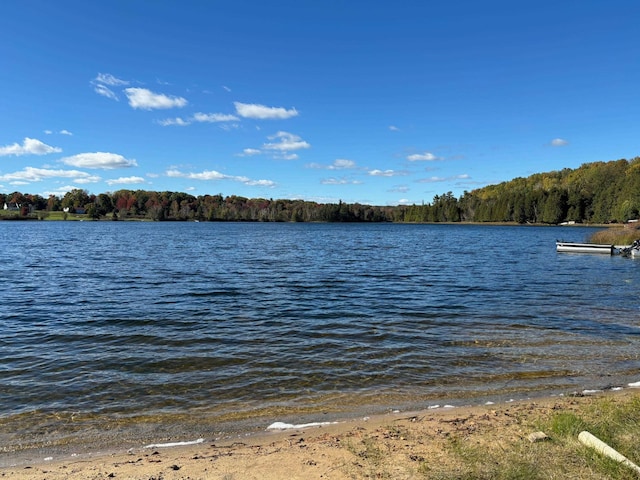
column 151, row 331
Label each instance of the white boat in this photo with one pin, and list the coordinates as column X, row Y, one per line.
column 571, row 247
column 633, row 250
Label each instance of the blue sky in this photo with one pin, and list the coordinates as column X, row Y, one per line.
column 377, row 102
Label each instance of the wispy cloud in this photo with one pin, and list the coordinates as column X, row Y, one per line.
column 423, row 157
column 102, row 83
column 30, row 146
column 286, row 142
column 262, row 112
column 214, row 117
column 145, row 99
column 106, row 92
column 103, row 160
column 60, row 191
column 259, row 183
column 339, row 181
column 387, row 173
column 108, row 79
column 126, row 181
column 338, row 164
column 214, row 175
column 393, row 128
column 204, row 175
column 31, row 174
column 249, row 152
column 399, row 189
column 463, row 176
column 199, row 118
column 61, row 132
column 559, row 142
column 282, row 147
column 179, row 121
column 88, row 179
column 341, row 164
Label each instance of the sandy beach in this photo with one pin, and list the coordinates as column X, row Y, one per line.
column 400, row 445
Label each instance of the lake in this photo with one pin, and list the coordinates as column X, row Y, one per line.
column 134, row 331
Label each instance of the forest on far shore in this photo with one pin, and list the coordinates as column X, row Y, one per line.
column 598, row 192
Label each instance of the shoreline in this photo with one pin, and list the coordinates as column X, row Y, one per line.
column 326, row 449
column 67, row 434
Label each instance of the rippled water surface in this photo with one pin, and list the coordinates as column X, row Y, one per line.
column 126, row 327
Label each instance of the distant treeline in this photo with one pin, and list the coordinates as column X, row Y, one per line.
column 600, row 192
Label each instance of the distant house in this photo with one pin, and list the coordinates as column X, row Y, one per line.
column 12, row 206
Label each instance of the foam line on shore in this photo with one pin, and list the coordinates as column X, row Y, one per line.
column 174, row 444
column 291, row 426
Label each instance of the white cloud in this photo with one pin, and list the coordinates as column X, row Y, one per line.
column 421, row 157
column 260, row 183
column 287, row 142
column 174, row 121
column 400, row 189
column 88, row 179
column 214, row 175
column 228, row 126
column 393, row 128
column 60, row 192
column 108, row 79
column 226, row 88
column 125, row 181
column 31, row 174
column 147, row 100
column 432, row 180
column 386, row 173
column 30, row 146
column 214, row 117
column 463, row 176
column 262, row 112
column 104, row 160
column 248, row 152
column 100, row 85
column 339, row 164
column 106, row 92
column 339, row 181
column 559, row 142
column 342, row 163
column 61, row 132
column 205, row 175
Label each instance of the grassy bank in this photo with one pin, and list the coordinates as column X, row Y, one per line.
column 617, row 235
column 484, row 442
column 41, row 215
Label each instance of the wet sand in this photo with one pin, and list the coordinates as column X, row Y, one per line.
column 396, row 445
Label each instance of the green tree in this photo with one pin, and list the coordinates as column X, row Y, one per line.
column 74, row 199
